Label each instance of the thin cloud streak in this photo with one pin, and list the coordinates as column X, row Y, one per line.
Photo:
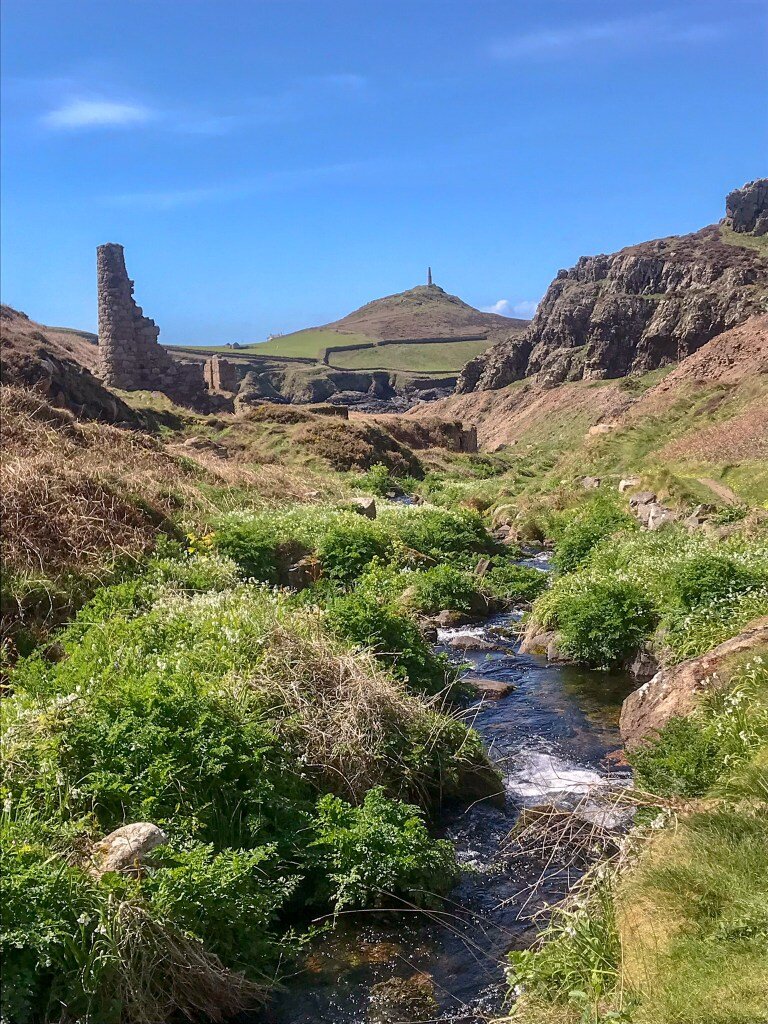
column 638, row 31
column 293, row 104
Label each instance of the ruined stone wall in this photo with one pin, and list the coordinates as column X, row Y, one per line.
column 221, row 375
column 130, row 357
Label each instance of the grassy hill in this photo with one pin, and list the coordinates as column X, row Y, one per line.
column 307, row 344
column 423, row 312
column 446, row 357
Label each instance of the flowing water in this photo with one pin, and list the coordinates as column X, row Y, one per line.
column 550, row 738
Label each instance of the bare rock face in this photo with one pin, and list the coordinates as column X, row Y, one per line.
column 674, row 692
column 638, row 309
column 746, row 208
column 126, row 849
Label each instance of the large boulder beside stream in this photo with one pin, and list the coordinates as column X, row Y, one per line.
column 674, row 692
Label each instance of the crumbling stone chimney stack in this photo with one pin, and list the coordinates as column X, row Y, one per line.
column 130, row 356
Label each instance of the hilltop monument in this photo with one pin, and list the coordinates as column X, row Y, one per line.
column 130, row 356
column 429, row 277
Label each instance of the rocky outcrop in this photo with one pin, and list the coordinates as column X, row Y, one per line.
column 638, row 309
column 674, row 692
column 746, row 208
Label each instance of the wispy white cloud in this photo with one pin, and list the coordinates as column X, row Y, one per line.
column 643, row 29
column 524, row 310
column 293, row 103
column 81, row 113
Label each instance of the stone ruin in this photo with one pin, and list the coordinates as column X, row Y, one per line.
column 746, row 208
column 221, row 375
column 130, row 356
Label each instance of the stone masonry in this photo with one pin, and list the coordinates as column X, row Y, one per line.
column 221, row 375
column 130, row 357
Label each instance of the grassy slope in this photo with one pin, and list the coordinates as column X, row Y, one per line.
column 447, row 357
column 307, row 344
column 730, row 237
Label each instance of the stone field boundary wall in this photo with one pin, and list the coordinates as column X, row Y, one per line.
column 362, row 346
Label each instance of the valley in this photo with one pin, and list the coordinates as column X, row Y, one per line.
column 387, row 672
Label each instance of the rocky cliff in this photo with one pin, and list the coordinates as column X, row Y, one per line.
column 641, row 308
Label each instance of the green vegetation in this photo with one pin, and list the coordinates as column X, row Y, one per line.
column 684, row 593
column 447, row 357
column 307, row 344
column 393, row 637
column 757, row 242
column 582, row 529
column 443, row 587
column 248, row 671
column 273, row 736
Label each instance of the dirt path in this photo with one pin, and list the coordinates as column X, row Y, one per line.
column 720, row 490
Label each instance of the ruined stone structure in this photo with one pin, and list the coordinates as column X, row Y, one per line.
column 130, row 357
column 221, row 375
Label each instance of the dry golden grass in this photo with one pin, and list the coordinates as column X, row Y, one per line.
column 164, row 974
column 343, row 711
column 68, row 491
column 76, row 494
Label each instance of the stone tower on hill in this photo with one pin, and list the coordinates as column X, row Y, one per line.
column 130, row 357
column 429, row 277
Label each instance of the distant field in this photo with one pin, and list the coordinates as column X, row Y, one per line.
column 306, row 344
column 446, row 357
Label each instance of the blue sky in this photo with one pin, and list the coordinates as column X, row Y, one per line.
column 272, row 164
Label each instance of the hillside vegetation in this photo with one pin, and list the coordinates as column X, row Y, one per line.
column 423, row 312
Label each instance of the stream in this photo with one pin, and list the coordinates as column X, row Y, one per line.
column 550, row 738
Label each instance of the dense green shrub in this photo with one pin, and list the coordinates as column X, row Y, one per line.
column 515, row 583
column 204, row 891
column 381, row 481
column 702, row 591
column 253, row 544
column 375, row 853
column 441, row 587
column 710, row 577
column 586, row 527
column 682, row 761
column 347, row 549
column 113, row 950
column 220, row 716
column 393, row 636
column 438, row 532
column 604, row 622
